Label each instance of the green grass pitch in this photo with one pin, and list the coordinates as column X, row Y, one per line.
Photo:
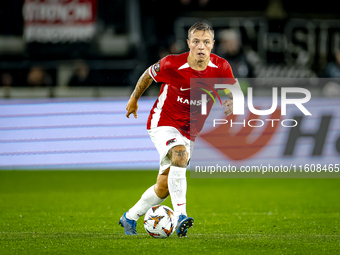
column 77, row 212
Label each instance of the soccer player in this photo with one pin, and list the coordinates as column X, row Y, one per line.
column 169, row 122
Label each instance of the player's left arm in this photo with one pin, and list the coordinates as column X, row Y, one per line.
column 229, row 103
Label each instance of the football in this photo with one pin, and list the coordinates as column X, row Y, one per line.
column 159, row 221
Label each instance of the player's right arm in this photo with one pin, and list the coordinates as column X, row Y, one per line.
column 143, row 83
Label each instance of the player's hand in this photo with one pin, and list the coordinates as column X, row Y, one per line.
column 228, row 104
column 132, row 107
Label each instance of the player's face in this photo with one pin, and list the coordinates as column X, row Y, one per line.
column 200, row 44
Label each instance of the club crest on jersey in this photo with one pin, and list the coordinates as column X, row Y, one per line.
column 170, row 141
column 155, row 69
column 157, row 66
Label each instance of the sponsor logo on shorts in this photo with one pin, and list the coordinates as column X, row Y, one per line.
column 170, row 141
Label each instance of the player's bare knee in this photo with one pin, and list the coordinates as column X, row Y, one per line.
column 179, row 156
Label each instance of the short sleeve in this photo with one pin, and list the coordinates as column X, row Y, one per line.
column 159, row 72
column 226, row 74
column 226, row 71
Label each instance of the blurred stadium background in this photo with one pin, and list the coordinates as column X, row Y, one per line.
column 68, row 66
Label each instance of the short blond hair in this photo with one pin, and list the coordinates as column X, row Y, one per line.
column 200, row 26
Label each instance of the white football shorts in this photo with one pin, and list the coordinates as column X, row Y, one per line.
column 165, row 138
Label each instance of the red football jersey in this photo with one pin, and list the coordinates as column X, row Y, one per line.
column 175, row 105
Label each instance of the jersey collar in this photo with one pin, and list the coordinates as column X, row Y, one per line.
column 186, row 65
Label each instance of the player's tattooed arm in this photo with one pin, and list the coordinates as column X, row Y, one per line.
column 228, row 104
column 143, row 83
column 230, row 95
